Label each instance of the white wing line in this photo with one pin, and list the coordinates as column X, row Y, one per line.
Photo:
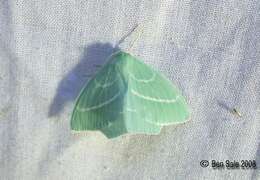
column 129, row 110
column 142, row 80
column 99, row 105
column 105, row 84
column 154, row 99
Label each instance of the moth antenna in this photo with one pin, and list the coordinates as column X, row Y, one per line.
column 127, row 35
column 140, row 32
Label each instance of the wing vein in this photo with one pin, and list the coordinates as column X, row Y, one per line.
column 173, row 100
column 99, row 105
column 142, row 80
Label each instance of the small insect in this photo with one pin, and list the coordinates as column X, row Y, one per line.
column 128, row 96
column 235, row 111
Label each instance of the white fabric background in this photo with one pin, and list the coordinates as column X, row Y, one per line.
column 209, row 49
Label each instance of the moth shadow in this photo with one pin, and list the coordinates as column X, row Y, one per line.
column 93, row 57
column 68, row 89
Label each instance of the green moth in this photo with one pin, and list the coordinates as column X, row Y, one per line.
column 127, row 96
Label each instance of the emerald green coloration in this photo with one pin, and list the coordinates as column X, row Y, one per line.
column 127, row 96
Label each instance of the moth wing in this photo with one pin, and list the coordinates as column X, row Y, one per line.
column 155, row 97
column 100, row 102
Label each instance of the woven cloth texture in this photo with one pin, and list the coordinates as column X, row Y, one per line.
column 50, row 49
